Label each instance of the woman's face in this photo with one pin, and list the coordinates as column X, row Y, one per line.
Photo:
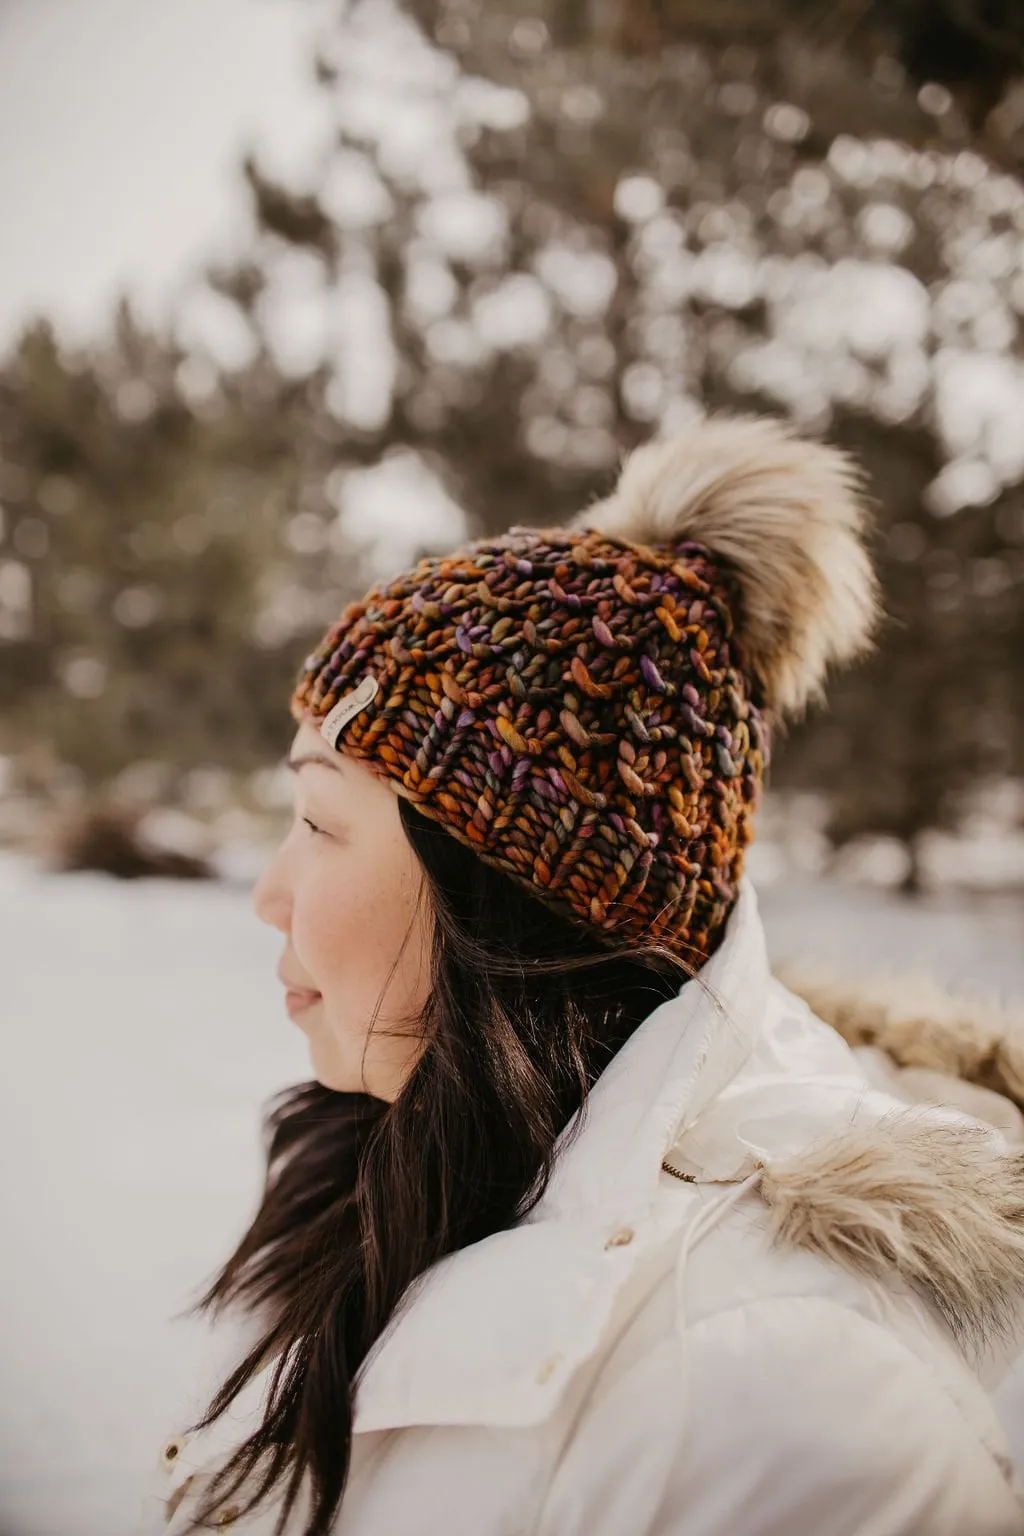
column 344, row 888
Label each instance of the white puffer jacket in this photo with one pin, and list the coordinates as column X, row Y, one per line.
column 796, row 1331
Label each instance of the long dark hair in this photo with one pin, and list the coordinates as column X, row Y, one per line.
column 525, row 1011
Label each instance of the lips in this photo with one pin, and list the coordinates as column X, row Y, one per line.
column 297, row 1001
column 296, row 997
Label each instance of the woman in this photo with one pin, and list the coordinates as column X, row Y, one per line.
column 588, row 1226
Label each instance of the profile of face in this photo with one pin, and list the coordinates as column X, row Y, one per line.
column 347, row 893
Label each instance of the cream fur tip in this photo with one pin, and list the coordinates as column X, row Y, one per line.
column 787, row 514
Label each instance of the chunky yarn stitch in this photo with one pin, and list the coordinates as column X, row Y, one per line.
column 588, row 707
column 577, row 709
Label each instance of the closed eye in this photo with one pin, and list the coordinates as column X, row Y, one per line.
column 319, row 831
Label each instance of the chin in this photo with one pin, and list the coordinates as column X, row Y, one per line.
column 325, row 1072
column 342, row 1071
column 331, row 1074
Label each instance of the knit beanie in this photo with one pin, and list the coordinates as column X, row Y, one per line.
column 589, row 707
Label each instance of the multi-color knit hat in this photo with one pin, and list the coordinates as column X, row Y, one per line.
column 588, row 708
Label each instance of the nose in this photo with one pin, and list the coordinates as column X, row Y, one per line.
column 271, row 898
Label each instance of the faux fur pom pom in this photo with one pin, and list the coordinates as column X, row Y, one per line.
column 787, row 514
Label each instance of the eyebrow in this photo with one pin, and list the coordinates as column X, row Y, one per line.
column 295, row 763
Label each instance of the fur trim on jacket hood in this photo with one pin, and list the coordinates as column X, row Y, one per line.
column 940, row 1200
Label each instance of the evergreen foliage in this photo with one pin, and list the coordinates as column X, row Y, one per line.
column 537, row 233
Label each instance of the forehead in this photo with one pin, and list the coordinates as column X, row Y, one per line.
column 308, row 739
column 339, row 772
column 314, row 756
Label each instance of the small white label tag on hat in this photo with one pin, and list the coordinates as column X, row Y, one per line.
column 332, row 724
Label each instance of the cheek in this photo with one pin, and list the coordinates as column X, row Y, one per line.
column 348, row 923
column 332, row 925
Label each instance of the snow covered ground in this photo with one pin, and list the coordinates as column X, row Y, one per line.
column 143, row 1032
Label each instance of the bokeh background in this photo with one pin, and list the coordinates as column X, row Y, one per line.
column 292, row 292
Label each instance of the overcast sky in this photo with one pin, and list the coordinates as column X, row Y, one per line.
column 122, row 124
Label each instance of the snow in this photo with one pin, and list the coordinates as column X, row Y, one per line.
column 353, row 194
column 213, row 325
column 582, row 281
column 972, row 943
column 365, row 361
column 396, row 509
column 979, row 396
column 638, row 198
column 514, row 314
column 144, row 1034
column 465, row 225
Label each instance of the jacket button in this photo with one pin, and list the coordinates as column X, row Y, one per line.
column 549, row 1368
column 171, row 1451
column 620, row 1238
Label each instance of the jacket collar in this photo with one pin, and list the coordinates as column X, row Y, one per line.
column 662, row 1080
column 491, row 1334
column 733, row 1074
